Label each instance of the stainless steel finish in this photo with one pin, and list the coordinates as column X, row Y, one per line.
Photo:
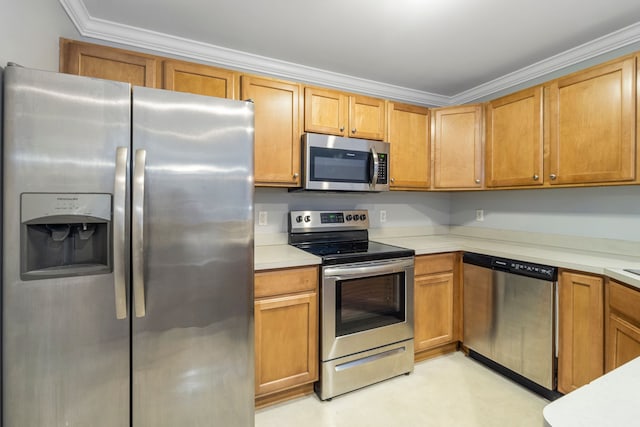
column 300, row 224
column 376, row 167
column 536, row 177
column 67, row 205
column 343, row 143
column 137, row 232
column 359, row 370
column 119, row 232
column 553, row 176
column 65, row 354
column 477, row 181
column 194, row 347
column 510, row 319
column 634, row 271
column 333, row 347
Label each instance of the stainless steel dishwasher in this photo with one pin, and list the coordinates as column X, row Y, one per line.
column 510, row 319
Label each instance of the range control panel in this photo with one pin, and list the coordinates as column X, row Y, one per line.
column 315, row 221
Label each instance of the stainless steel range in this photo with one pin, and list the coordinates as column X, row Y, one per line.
column 366, row 303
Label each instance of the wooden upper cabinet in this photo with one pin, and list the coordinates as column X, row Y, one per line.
column 104, row 62
column 367, row 117
column 336, row 113
column 325, row 111
column 514, row 140
column 456, row 135
column 410, row 150
column 277, row 107
column 199, row 79
column 592, row 125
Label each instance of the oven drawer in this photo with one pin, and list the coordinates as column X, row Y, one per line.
column 285, row 281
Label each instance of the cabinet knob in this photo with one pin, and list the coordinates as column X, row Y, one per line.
column 553, row 176
column 295, row 175
column 393, row 180
column 353, row 130
column 341, row 128
column 477, row 181
column 535, row 177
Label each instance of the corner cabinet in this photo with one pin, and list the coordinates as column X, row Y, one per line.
column 592, row 125
column 514, row 140
column 437, row 302
column 336, row 113
column 278, row 108
column 581, row 328
column 408, row 128
column 200, row 79
column 103, row 62
column 622, row 324
column 457, row 144
column 286, row 333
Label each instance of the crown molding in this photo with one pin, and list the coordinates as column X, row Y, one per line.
column 114, row 32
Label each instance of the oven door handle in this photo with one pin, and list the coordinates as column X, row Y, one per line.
column 342, row 272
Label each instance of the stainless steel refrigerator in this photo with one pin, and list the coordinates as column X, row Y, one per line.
column 127, row 275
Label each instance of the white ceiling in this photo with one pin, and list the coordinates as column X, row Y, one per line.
column 430, row 51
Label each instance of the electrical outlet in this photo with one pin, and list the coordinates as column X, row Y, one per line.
column 262, row 218
column 480, row 215
column 383, row 216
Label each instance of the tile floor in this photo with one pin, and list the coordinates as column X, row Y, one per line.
column 450, row 390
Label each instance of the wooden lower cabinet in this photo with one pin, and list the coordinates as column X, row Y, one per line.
column 581, row 328
column 286, row 333
column 622, row 324
column 437, row 294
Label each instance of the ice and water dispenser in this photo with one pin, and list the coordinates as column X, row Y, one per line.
column 65, row 235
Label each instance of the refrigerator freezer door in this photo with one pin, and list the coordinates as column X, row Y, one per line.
column 65, row 352
column 193, row 345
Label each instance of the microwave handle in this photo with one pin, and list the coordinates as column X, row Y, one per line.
column 376, row 167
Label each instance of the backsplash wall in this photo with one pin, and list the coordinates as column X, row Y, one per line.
column 600, row 212
column 404, row 209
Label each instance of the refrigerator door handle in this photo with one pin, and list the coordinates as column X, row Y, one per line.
column 119, row 201
column 137, row 231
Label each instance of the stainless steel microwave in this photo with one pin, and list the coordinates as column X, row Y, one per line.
column 334, row 163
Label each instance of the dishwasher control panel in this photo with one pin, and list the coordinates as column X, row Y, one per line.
column 522, row 268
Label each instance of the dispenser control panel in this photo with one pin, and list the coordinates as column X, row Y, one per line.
column 42, row 205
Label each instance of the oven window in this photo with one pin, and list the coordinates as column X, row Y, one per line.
column 369, row 303
column 335, row 165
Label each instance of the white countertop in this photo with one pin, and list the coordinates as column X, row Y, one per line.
column 612, row 400
column 612, row 265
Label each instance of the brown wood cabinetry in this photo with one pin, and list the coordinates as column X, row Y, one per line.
column 592, row 125
column 410, row 150
column 200, row 79
column 277, row 130
column 336, row 113
column 581, row 328
column 90, row 60
column 514, row 140
column 437, row 293
column 286, row 333
column 456, row 139
column 622, row 324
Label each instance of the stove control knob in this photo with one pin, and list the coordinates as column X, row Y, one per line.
column 299, row 218
column 363, row 217
column 307, row 218
column 349, row 217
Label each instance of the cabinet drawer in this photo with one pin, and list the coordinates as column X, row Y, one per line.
column 625, row 301
column 429, row 264
column 285, row 281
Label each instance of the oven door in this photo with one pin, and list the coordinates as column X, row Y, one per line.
column 366, row 305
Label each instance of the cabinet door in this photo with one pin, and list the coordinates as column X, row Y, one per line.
column 286, row 340
column 514, row 142
column 325, row 111
column 277, row 130
column 457, row 146
column 592, row 125
column 367, row 117
column 623, row 342
column 581, row 327
column 109, row 63
column 199, row 79
column 433, row 311
column 410, row 150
